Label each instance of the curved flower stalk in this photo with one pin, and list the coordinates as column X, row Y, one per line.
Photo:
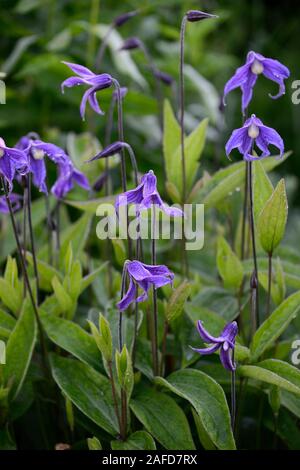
column 226, row 344
column 118, row 22
column 254, row 132
column 15, row 200
column 159, row 77
column 245, row 77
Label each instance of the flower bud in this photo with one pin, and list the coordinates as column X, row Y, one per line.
column 130, row 43
column 164, row 77
column 109, row 151
column 103, row 337
column 197, row 15
column 125, row 371
column 122, row 19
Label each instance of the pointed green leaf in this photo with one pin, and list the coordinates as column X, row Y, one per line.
column 139, row 440
column 275, row 325
column 272, row 219
column 163, row 418
column 174, row 308
column 209, row 401
column 229, row 266
column 262, row 187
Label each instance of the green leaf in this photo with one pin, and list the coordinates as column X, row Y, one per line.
column 278, row 289
column 275, row 372
column 209, row 401
column 272, row 219
column 119, row 250
column 91, row 205
column 46, row 272
column 229, row 265
column 11, row 297
column 11, row 271
column 62, row 295
column 19, row 349
column 94, row 443
column 7, row 320
column 139, row 440
column 90, row 278
column 163, row 418
column 204, row 438
column 177, row 300
column 274, row 326
column 262, row 187
column 227, row 180
column 87, row 389
column 72, row 338
column 171, row 141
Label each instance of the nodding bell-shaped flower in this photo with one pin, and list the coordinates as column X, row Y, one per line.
column 85, row 76
column 12, row 160
column 143, row 276
column 225, row 342
column 245, row 77
column 254, row 132
column 196, row 15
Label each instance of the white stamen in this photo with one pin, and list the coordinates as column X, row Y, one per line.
column 1, row 152
column 257, row 67
column 253, row 131
column 38, row 154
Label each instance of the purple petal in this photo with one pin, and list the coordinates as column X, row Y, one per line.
column 149, row 181
column 158, row 269
column 269, row 136
column 80, row 179
column 84, row 99
column 130, row 197
column 207, row 338
column 137, row 270
column 206, row 351
column 229, row 333
column 7, row 169
column 38, row 169
column 94, row 104
column 247, row 90
column 79, row 69
column 238, row 79
column 128, row 298
column 226, row 359
column 238, row 139
column 72, row 81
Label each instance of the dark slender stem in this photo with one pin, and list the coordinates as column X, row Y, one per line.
column 233, row 396
column 124, row 414
column 31, row 234
column 49, row 229
column 25, row 198
column 123, row 164
column 114, row 394
column 243, row 242
column 103, row 47
column 253, row 288
column 153, row 261
column 252, row 229
column 163, row 348
column 28, row 286
column 269, row 284
column 181, row 101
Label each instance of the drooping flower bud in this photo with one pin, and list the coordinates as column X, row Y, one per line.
column 164, row 77
column 109, row 151
column 122, row 19
column 131, row 43
column 197, row 15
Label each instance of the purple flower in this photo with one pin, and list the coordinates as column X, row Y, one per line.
column 245, row 77
column 123, row 92
column 109, row 151
column 15, row 200
column 12, row 160
column 95, row 83
column 131, row 43
column 164, row 77
column 122, row 19
column 36, row 150
column 68, row 175
column 254, row 132
column 145, row 195
column 143, row 276
column 225, row 342
column 197, row 15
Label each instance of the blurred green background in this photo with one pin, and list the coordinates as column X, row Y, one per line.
column 36, row 35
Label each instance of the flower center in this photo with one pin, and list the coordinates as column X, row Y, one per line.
column 257, row 67
column 1, row 152
column 38, row 154
column 253, row 131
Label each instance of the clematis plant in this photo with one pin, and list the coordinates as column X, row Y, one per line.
column 145, row 195
column 143, row 276
column 85, row 76
column 68, row 176
column 245, row 76
column 11, row 161
column 254, row 132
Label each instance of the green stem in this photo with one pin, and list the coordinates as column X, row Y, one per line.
column 269, row 284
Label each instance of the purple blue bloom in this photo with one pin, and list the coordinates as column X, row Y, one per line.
column 254, row 132
column 68, row 176
column 95, row 82
column 143, row 276
column 245, row 77
column 12, row 160
column 145, row 195
column 36, row 150
column 15, row 200
column 225, row 342
column 122, row 19
column 131, row 43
